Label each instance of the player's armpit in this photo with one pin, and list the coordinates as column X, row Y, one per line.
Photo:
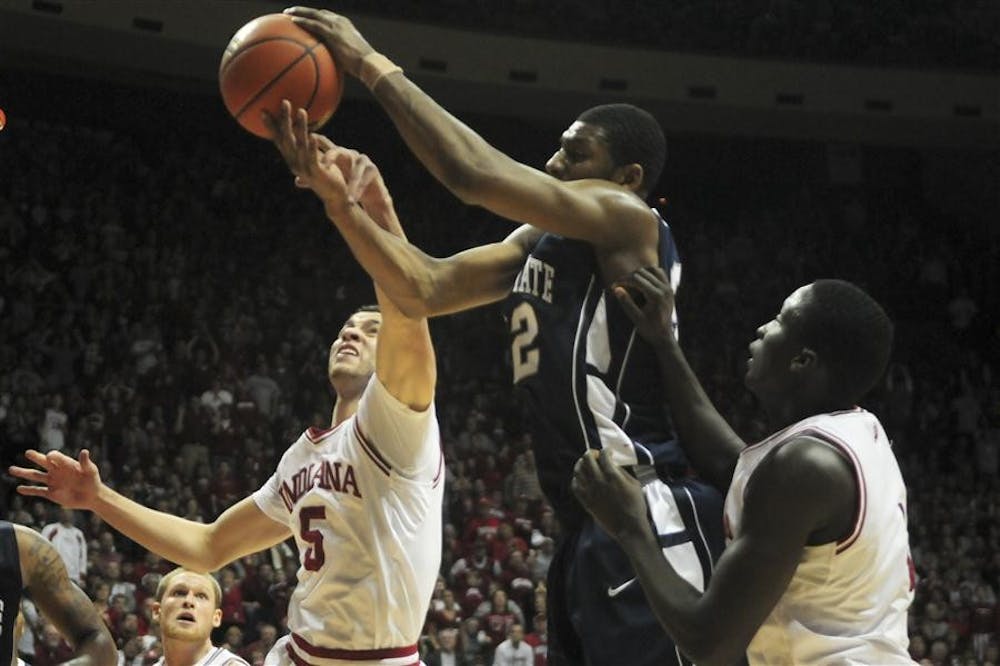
column 62, row 602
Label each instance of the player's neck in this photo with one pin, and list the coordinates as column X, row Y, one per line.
column 184, row 653
column 343, row 409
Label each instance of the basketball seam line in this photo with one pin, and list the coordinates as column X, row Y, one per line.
column 264, row 40
column 308, row 52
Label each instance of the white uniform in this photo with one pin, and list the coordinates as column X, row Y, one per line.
column 217, row 656
column 848, row 600
column 71, row 545
column 364, row 502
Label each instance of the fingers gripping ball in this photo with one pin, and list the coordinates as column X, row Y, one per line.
column 271, row 59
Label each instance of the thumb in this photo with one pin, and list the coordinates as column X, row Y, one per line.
column 627, row 302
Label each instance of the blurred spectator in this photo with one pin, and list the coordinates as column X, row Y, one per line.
column 446, row 653
column 514, row 651
column 120, row 588
column 70, row 543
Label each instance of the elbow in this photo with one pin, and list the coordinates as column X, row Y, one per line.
column 99, row 646
column 108, row 652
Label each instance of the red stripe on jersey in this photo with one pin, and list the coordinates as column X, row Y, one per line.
column 316, row 435
column 789, row 430
column 859, row 519
column 372, row 452
column 355, row 655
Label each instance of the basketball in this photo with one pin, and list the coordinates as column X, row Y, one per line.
column 270, row 59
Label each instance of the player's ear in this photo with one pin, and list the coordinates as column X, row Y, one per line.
column 804, row 359
column 156, row 611
column 630, row 176
column 217, row 617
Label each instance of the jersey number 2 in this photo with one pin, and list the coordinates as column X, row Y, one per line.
column 314, row 556
column 524, row 328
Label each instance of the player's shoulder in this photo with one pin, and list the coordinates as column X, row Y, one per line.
column 26, row 537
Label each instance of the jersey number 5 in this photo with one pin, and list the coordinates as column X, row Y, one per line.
column 524, row 328
column 314, row 556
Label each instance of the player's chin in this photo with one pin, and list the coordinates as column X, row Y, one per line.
column 179, row 629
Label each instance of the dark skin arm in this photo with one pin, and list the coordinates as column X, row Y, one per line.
column 709, row 442
column 418, row 284
column 800, row 492
column 606, row 213
column 62, row 602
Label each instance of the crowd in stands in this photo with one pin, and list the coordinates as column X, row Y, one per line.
column 960, row 34
column 167, row 302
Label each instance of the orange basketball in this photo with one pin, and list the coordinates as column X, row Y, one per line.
column 271, row 59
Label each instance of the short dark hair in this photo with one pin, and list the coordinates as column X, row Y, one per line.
column 851, row 334
column 372, row 307
column 634, row 137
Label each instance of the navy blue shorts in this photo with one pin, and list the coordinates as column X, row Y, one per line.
column 596, row 616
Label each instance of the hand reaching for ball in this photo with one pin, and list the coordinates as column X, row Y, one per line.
column 339, row 176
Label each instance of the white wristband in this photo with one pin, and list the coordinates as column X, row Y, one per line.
column 374, row 66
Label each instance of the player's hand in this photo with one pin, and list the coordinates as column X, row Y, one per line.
column 346, row 44
column 611, row 496
column 648, row 300
column 364, row 181
column 72, row 483
column 305, row 154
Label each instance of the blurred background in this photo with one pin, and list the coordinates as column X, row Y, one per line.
column 167, row 296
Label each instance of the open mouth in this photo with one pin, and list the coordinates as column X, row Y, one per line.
column 347, row 351
column 185, row 617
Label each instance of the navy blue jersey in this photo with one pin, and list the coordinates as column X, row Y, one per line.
column 591, row 381
column 10, row 591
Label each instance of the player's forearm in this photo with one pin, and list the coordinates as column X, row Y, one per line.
column 173, row 538
column 711, row 445
column 401, row 270
column 456, row 155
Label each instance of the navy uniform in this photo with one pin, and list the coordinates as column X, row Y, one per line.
column 10, row 591
column 593, row 383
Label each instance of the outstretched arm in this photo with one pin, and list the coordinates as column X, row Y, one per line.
column 419, row 285
column 241, row 530
column 62, row 602
column 707, row 438
column 801, row 489
column 598, row 211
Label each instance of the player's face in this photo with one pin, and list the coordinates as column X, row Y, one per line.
column 353, row 352
column 776, row 345
column 583, row 153
column 187, row 610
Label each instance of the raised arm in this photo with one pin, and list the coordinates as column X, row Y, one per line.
column 801, row 492
column 240, row 530
column 707, row 438
column 419, row 285
column 44, row 576
column 469, row 166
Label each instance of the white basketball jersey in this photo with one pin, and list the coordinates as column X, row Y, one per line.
column 847, row 601
column 364, row 502
column 217, row 656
